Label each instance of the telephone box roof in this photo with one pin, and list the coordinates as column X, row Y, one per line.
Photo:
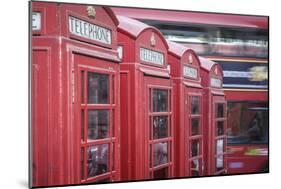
column 178, row 49
column 206, row 63
column 134, row 28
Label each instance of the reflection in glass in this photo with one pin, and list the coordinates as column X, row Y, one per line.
column 98, row 124
column 194, row 148
column 160, row 100
column 160, row 153
column 98, row 90
column 219, row 162
column 195, row 105
column 220, row 128
column 160, row 127
column 194, row 167
column 97, row 162
column 161, row 173
column 194, row 126
column 220, row 110
column 219, row 146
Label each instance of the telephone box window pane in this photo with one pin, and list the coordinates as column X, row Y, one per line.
column 160, row 100
column 219, row 162
column 194, row 126
column 194, row 167
column 160, row 127
column 98, row 90
column 220, row 146
column 160, row 153
column 98, row 124
column 195, row 148
column 220, row 110
column 161, row 173
column 195, row 105
column 220, row 128
column 97, row 162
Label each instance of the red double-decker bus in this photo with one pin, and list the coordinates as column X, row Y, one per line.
column 239, row 43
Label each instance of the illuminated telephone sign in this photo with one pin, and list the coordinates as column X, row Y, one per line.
column 215, row 82
column 190, row 72
column 89, row 31
column 151, row 56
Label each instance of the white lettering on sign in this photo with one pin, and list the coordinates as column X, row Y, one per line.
column 151, row 56
column 190, row 72
column 89, row 31
column 215, row 82
column 36, row 21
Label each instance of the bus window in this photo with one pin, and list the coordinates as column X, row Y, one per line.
column 247, row 122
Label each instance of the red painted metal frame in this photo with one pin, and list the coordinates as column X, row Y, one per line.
column 137, row 80
column 178, row 57
column 212, row 96
column 56, row 95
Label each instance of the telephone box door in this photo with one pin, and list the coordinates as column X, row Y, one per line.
column 193, row 133
column 219, row 135
column 160, row 137
column 96, row 120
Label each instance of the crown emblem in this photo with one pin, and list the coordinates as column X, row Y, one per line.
column 216, row 70
column 152, row 40
column 91, row 12
column 190, row 58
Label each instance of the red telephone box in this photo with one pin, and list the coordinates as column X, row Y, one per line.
column 188, row 108
column 146, row 102
column 214, row 118
column 75, row 94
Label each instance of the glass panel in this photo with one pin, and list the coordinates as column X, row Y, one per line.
column 220, row 146
column 194, row 126
column 194, row 167
column 160, row 100
column 195, row 105
column 160, row 127
column 195, row 148
column 247, row 122
column 219, row 162
column 82, row 163
column 98, row 124
column 82, row 125
column 82, row 86
column 97, row 160
column 98, row 92
column 161, row 173
column 160, row 153
column 220, row 129
column 220, row 110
